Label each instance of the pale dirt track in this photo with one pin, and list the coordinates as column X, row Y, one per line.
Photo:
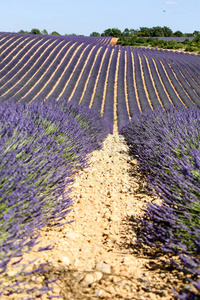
column 96, row 256
column 114, row 41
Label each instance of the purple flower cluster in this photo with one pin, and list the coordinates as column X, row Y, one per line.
column 166, row 144
column 94, row 127
column 41, row 146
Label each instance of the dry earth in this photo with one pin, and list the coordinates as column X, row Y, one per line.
column 114, row 41
column 96, row 256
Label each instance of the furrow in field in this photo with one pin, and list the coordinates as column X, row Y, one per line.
column 168, row 81
column 97, row 79
column 16, row 65
column 135, row 85
column 161, row 81
column 177, row 84
column 41, row 77
column 122, row 112
column 190, row 77
column 144, row 83
column 15, row 49
column 153, row 83
column 186, row 82
column 106, row 83
column 2, row 40
column 61, row 76
column 8, row 43
column 82, row 70
column 126, row 86
column 98, row 98
column 148, row 81
column 115, row 125
column 91, row 83
column 108, row 113
column 190, row 73
column 131, row 93
column 89, row 75
column 72, row 74
column 29, row 70
column 180, row 78
column 54, row 72
column 145, row 105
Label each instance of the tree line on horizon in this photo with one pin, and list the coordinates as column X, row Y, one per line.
column 156, row 31
column 144, row 36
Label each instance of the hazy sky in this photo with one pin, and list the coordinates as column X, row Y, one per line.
column 86, row 16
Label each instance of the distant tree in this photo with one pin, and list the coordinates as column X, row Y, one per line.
column 167, row 31
column 55, row 33
column 188, row 34
column 197, row 38
column 115, row 32
column 156, row 31
column 196, row 32
column 142, row 34
column 126, row 32
column 71, row 34
column 187, row 42
column 22, row 31
column 44, row 31
column 35, row 31
column 178, row 33
column 133, row 32
column 94, row 33
column 144, row 31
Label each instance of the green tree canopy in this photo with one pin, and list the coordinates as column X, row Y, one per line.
column 156, row 31
column 22, row 31
column 126, row 32
column 115, row 32
column 196, row 32
column 71, row 34
column 167, row 31
column 144, row 31
column 178, row 33
column 44, row 31
column 35, row 31
column 197, row 38
column 94, row 33
column 133, row 32
column 55, row 33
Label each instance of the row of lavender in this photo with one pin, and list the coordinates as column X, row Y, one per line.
column 116, row 81
column 119, row 82
column 42, row 146
column 86, row 39
column 166, row 145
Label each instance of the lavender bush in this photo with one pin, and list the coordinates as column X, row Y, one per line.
column 92, row 124
column 166, row 144
column 41, row 148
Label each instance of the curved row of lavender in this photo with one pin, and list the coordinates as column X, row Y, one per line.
column 104, row 77
column 86, row 39
column 42, row 146
column 109, row 79
column 167, row 147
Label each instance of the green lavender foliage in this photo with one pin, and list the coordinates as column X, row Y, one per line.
column 167, row 145
column 42, row 147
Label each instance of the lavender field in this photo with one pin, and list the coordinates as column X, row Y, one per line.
column 57, row 90
column 119, row 82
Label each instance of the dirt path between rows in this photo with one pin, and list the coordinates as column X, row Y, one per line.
column 114, row 41
column 96, row 257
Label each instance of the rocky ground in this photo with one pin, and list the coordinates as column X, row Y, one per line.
column 96, row 256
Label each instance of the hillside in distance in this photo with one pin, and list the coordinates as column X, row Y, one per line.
column 118, row 82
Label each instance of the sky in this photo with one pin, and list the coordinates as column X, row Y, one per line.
column 85, row 16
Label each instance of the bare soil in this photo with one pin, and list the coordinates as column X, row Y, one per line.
column 114, row 41
column 96, row 256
